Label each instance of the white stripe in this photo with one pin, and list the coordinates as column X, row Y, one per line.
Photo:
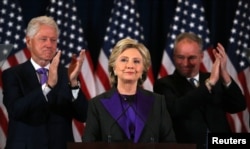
column 234, row 75
column 20, row 56
column 231, row 70
column 76, row 133
column 88, row 77
column 207, row 62
column 246, row 119
column 2, row 135
column 2, row 106
column 167, row 64
column 6, row 65
column 147, row 84
column 237, row 122
column 103, row 61
column 99, row 86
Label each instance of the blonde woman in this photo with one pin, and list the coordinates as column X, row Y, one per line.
column 127, row 112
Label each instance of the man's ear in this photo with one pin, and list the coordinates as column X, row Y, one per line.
column 28, row 40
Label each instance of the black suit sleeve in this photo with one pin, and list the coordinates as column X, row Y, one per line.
column 181, row 99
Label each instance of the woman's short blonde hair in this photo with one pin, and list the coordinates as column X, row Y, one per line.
column 119, row 48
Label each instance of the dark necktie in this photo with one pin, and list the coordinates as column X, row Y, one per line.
column 43, row 75
column 194, row 82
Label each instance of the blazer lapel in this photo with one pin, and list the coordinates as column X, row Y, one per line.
column 114, row 107
column 180, row 80
column 28, row 75
column 144, row 107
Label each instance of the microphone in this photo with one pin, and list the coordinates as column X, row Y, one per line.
column 111, row 126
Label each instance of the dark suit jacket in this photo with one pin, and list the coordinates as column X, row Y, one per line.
column 106, row 119
column 193, row 110
column 35, row 123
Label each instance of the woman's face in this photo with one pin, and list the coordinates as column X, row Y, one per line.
column 129, row 66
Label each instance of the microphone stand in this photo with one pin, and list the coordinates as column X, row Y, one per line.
column 109, row 134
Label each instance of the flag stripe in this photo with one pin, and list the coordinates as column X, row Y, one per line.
column 102, row 77
column 167, row 66
column 87, row 72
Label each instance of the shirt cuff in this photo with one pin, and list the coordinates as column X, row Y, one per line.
column 227, row 85
column 45, row 90
column 75, row 93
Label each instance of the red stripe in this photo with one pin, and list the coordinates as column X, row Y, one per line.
column 231, row 122
column 243, row 127
column 27, row 53
column 243, row 80
column 84, row 87
column 79, row 126
column 91, row 66
column 103, row 77
column 211, row 57
column 150, row 75
column 84, row 80
column 12, row 60
column 210, row 53
column 203, row 68
column 163, row 71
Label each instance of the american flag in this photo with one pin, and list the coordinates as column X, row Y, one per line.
column 12, row 31
column 189, row 17
column 124, row 22
column 71, row 41
column 239, row 66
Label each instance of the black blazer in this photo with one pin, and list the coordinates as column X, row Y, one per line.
column 106, row 119
column 35, row 123
column 193, row 110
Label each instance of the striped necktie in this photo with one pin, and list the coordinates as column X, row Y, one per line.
column 194, row 82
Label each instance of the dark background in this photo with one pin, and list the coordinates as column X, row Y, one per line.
column 155, row 15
